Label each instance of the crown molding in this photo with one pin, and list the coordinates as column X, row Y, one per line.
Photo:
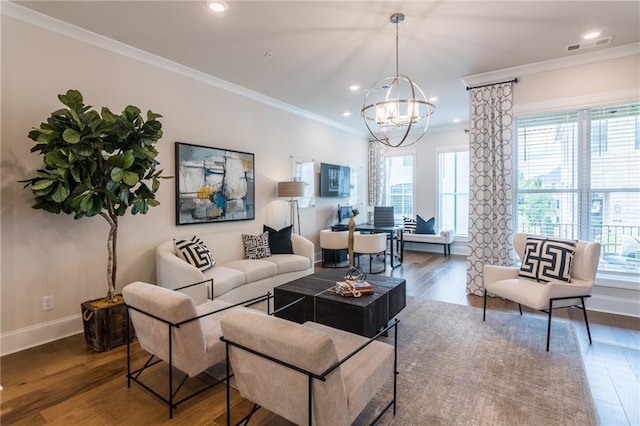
column 66, row 29
column 550, row 65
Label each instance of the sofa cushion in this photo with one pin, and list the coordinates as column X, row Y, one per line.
column 256, row 246
column 279, row 241
column 254, row 269
column 548, row 259
column 224, row 279
column 409, row 225
column 425, row 226
column 194, row 252
column 290, row 262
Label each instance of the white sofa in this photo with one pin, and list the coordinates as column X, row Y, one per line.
column 235, row 278
column 444, row 238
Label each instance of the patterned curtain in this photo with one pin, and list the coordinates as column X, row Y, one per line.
column 376, row 173
column 490, row 187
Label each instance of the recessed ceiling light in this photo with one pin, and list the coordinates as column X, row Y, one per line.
column 591, row 35
column 217, row 6
column 456, row 120
column 433, row 99
column 346, row 114
column 354, row 87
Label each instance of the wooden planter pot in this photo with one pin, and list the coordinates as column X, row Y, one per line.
column 104, row 323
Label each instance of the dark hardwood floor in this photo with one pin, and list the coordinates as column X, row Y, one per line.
column 64, row 382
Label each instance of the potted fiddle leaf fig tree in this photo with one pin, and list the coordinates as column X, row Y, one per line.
column 98, row 164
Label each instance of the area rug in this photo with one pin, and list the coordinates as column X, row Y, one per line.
column 455, row 369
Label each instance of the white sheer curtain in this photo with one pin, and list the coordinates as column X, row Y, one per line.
column 490, row 187
column 376, row 173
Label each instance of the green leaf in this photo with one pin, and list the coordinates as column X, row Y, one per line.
column 60, row 193
column 72, row 99
column 86, row 204
column 124, row 196
column 57, row 160
column 42, row 184
column 130, row 178
column 76, row 175
column 153, row 202
column 152, row 115
column 77, row 119
column 108, row 116
column 128, row 160
column 116, row 174
column 71, row 136
column 98, row 206
column 116, row 161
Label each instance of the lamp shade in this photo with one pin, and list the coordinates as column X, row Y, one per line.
column 290, row 189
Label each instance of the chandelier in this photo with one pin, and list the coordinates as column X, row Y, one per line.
column 395, row 110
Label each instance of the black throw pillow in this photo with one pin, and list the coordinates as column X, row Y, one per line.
column 425, row 226
column 280, row 241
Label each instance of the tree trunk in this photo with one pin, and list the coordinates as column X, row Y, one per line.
column 112, row 253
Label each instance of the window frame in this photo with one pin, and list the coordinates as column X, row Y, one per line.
column 584, row 188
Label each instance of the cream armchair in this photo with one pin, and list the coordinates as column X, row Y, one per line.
column 505, row 282
column 333, row 241
column 371, row 244
column 171, row 328
column 307, row 373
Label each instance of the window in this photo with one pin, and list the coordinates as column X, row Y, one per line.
column 399, row 185
column 577, row 177
column 453, row 191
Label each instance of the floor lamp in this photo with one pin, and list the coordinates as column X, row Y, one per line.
column 292, row 190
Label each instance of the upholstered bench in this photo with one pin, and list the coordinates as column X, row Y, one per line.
column 444, row 238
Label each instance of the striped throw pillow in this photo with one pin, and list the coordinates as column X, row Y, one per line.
column 409, row 225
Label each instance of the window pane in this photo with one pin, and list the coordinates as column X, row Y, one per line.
column 550, row 214
column 453, row 191
column 448, row 211
column 547, row 152
column 462, row 172
column 448, row 172
column 399, row 185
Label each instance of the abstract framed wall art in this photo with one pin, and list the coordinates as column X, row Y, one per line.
column 213, row 184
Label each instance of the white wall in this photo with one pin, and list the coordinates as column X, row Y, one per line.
column 45, row 254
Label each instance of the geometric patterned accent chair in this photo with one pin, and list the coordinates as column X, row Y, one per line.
column 555, row 273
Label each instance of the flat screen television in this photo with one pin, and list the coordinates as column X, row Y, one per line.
column 335, row 181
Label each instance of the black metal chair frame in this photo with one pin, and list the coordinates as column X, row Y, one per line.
column 134, row 375
column 548, row 311
column 384, row 261
column 312, row 376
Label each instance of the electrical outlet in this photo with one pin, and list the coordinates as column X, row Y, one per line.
column 47, row 303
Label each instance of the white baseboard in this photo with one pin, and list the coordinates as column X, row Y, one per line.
column 614, row 305
column 28, row 337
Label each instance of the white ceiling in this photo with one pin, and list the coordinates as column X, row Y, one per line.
column 319, row 48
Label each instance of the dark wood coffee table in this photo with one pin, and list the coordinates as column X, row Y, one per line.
column 364, row 315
